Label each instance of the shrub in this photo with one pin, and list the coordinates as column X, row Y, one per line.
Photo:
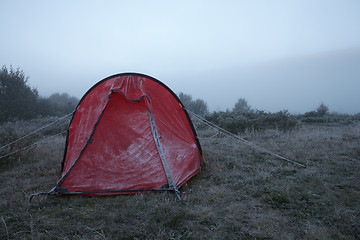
column 239, row 122
column 11, row 131
column 10, row 154
column 328, row 119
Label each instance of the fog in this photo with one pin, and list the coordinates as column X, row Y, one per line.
column 276, row 54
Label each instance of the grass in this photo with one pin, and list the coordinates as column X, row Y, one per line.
column 240, row 193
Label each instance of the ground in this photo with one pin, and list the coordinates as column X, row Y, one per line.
column 240, row 193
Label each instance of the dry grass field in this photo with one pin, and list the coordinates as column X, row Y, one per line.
column 241, row 193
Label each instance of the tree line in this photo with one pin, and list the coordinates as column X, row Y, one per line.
column 242, row 117
column 19, row 101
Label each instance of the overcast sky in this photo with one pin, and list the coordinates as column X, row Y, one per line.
column 68, row 46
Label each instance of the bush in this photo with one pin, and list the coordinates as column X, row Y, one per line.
column 8, row 135
column 11, row 131
column 239, row 122
column 329, row 119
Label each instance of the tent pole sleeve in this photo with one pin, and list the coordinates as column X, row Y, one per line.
column 86, row 144
column 156, row 138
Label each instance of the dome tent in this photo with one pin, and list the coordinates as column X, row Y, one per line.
column 130, row 133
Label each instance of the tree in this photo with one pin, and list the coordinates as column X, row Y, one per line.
column 186, row 99
column 322, row 110
column 17, row 99
column 242, row 106
column 20, row 101
column 62, row 103
column 197, row 106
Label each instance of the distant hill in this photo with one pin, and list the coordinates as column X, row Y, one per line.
column 298, row 84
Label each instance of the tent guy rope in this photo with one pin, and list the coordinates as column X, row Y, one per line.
column 242, row 140
column 33, row 144
column 37, row 130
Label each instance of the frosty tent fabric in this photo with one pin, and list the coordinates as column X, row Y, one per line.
column 130, row 133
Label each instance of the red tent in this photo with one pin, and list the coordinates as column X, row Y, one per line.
column 130, row 133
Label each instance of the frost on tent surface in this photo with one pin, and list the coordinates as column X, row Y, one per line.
column 129, row 133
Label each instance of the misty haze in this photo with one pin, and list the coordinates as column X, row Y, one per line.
column 262, row 95
column 297, row 84
column 278, row 56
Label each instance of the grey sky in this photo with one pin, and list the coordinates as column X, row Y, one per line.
column 67, row 46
